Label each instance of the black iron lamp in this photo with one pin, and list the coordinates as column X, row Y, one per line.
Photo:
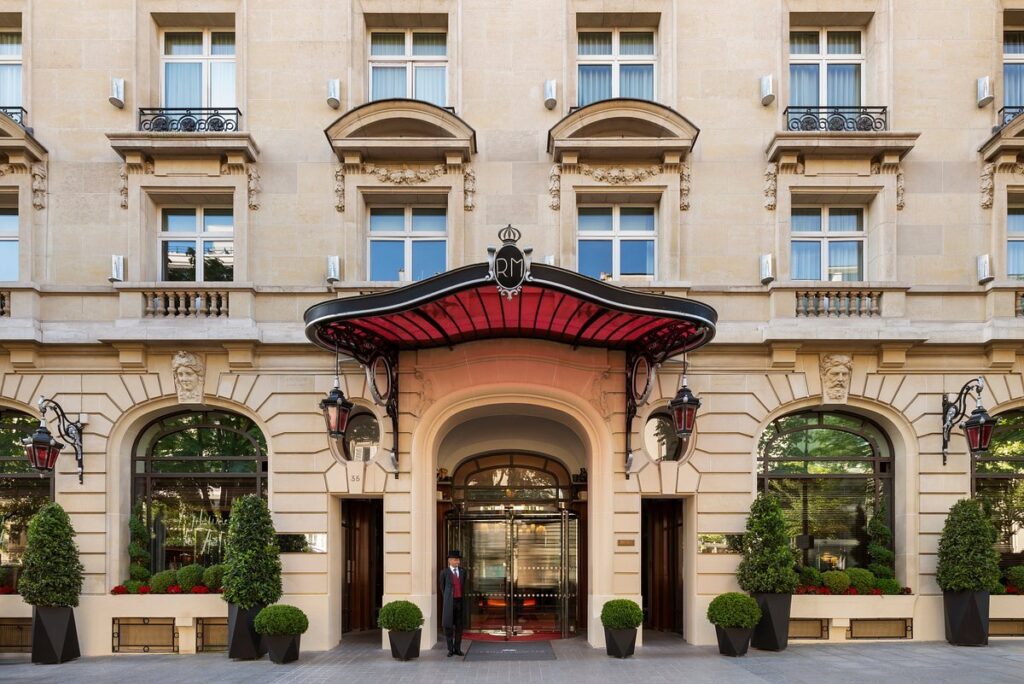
column 335, row 406
column 42, row 449
column 977, row 428
column 684, row 409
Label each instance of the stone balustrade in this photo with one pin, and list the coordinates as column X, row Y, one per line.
column 838, row 303
column 173, row 303
column 5, row 304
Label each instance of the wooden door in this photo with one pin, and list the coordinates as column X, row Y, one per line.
column 362, row 522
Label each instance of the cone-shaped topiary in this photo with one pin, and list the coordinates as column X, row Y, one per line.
column 968, row 560
column 252, row 576
column 767, row 565
column 51, row 575
column 880, row 556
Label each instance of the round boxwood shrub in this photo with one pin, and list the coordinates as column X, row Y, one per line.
column 1015, row 576
column 621, row 614
column 162, row 581
column 837, row 581
column 138, row 572
column 213, row 577
column 400, row 616
column 862, row 580
column 879, row 545
column 888, row 586
column 767, row 565
column 281, row 619
column 968, row 560
column 734, row 609
column 253, row 574
column 133, row 586
column 809, row 577
column 51, row 573
column 190, row 575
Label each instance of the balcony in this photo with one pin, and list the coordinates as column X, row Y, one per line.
column 860, row 134
column 837, row 119
column 838, row 303
column 185, row 303
column 189, row 120
column 16, row 114
column 193, row 132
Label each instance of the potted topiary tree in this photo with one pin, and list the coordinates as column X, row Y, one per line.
column 252, row 574
column 51, row 582
column 282, row 626
column 767, row 572
column 621, row 618
column 734, row 616
column 968, row 570
column 138, row 547
column 404, row 621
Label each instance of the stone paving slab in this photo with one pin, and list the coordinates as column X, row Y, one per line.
column 662, row 659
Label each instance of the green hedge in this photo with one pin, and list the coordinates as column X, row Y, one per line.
column 400, row 616
column 809, row 577
column 767, row 565
column 162, row 580
column 213, row 577
column 253, row 574
column 862, row 580
column 621, row 614
column 1015, row 576
column 281, row 620
column 968, row 560
column 734, row 609
column 836, row 580
column 879, row 545
column 189, row 576
column 888, row 586
column 51, row 572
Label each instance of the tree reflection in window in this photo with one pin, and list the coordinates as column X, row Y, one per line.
column 998, row 481
column 188, row 470
column 830, row 472
column 23, row 491
column 508, row 479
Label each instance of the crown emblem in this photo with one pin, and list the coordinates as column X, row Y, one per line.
column 509, row 235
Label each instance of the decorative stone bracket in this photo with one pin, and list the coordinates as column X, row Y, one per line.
column 405, row 175
column 615, row 174
column 791, row 163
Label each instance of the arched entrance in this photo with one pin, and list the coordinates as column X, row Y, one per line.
column 515, row 519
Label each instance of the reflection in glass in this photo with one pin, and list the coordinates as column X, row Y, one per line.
column 999, row 484
column 362, row 437
column 310, row 542
column 660, row 438
column 218, row 261
column 595, row 258
column 23, row 491
column 179, row 260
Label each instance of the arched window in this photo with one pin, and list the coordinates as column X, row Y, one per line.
column 188, row 469
column 830, row 471
column 998, row 480
column 23, row 490
column 524, row 480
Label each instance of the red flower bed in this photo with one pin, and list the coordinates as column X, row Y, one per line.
column 200, row 589
column 852, row 591
column 1012, row 589
column 119, row 589
column 6, row 590
column 174, row 589
column 144, row 589
column 825, row 591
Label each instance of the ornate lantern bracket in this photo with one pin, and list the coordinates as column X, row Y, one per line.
column 977, row 428
column 382, row 377
column 42, row 449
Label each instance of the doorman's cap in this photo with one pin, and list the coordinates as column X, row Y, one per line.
column 454, row 553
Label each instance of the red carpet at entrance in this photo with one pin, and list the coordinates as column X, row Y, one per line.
column 537, row 636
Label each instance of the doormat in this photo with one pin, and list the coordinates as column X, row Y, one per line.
column 484, row 651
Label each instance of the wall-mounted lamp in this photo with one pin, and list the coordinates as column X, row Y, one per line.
column 985, row 269
column 767, row 269
column 767, row 90
column 334, row 93
column 42, row 450
column 333, row 270
column 116, row 92
column 684, row 408
column 977, row 428
column 985, row 95
column 116, row 268
column 550, row 93
column 336, row 408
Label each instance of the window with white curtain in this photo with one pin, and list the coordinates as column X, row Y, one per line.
column 198, row 69
column 10, row 69
column 1015, row 243
column 615, row 241
column 188, row 232
column 614, row 63
column 408, row 243
column 412, row 64
column 827, row 243
column 1013, row 68
column 826, row 68
column 8, row 244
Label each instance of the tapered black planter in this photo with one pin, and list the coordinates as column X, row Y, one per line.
column 243, row 641
column 283, row 648
column 405, row 645
column 619, row 643
column 54, row 637
column 733, row 641
column 966, row 617
column 772, row 632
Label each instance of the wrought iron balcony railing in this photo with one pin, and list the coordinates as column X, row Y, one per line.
column 16, row 114
column 189, row 119
column 1008, row 114
column 832, row 119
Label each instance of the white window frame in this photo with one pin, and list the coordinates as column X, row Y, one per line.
column 206, row 59
column 408, row 60
column 824, row 236
column 198, row 237
column 823, row 60
column 616, row 60
column 407, row 236
column 16, row 60
column 617, row 236
column 1010, row 58
column 1012, row 237
column 15, row 237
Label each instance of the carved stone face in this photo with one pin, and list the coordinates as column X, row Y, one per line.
column 836, row 370
column 189, row 373
column 187, row 378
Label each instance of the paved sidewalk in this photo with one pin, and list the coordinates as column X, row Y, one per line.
column 663, row 659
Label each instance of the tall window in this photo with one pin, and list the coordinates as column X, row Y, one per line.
column 998, row 480
column 198, row 69
column 411, row 64
column 22, row 491
column 188, row 232
column 615, row 64
column 8, row 244
column 830, row 471
column 10, row 69
column 825, row 68
column 1013, row 68
column 408, row 243
column 827, row 243
column 1015, row 243
column 616, row 241
column 188, row 470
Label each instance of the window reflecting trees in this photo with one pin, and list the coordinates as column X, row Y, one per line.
column 23, row 491
column 998, row 480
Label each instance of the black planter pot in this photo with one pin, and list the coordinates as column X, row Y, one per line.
column 54, row 636
column 283, row 648
column 966, row 617
column 404, row 645
column 772, row 632
column 619, row 643
column 243, row 641
column 733, row 641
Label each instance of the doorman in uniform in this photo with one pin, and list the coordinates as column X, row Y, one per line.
column 451, row 582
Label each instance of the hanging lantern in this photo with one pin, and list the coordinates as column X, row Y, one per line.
column 684, row 411
column 41, row 449
column 336, row 410
column 978, row 429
